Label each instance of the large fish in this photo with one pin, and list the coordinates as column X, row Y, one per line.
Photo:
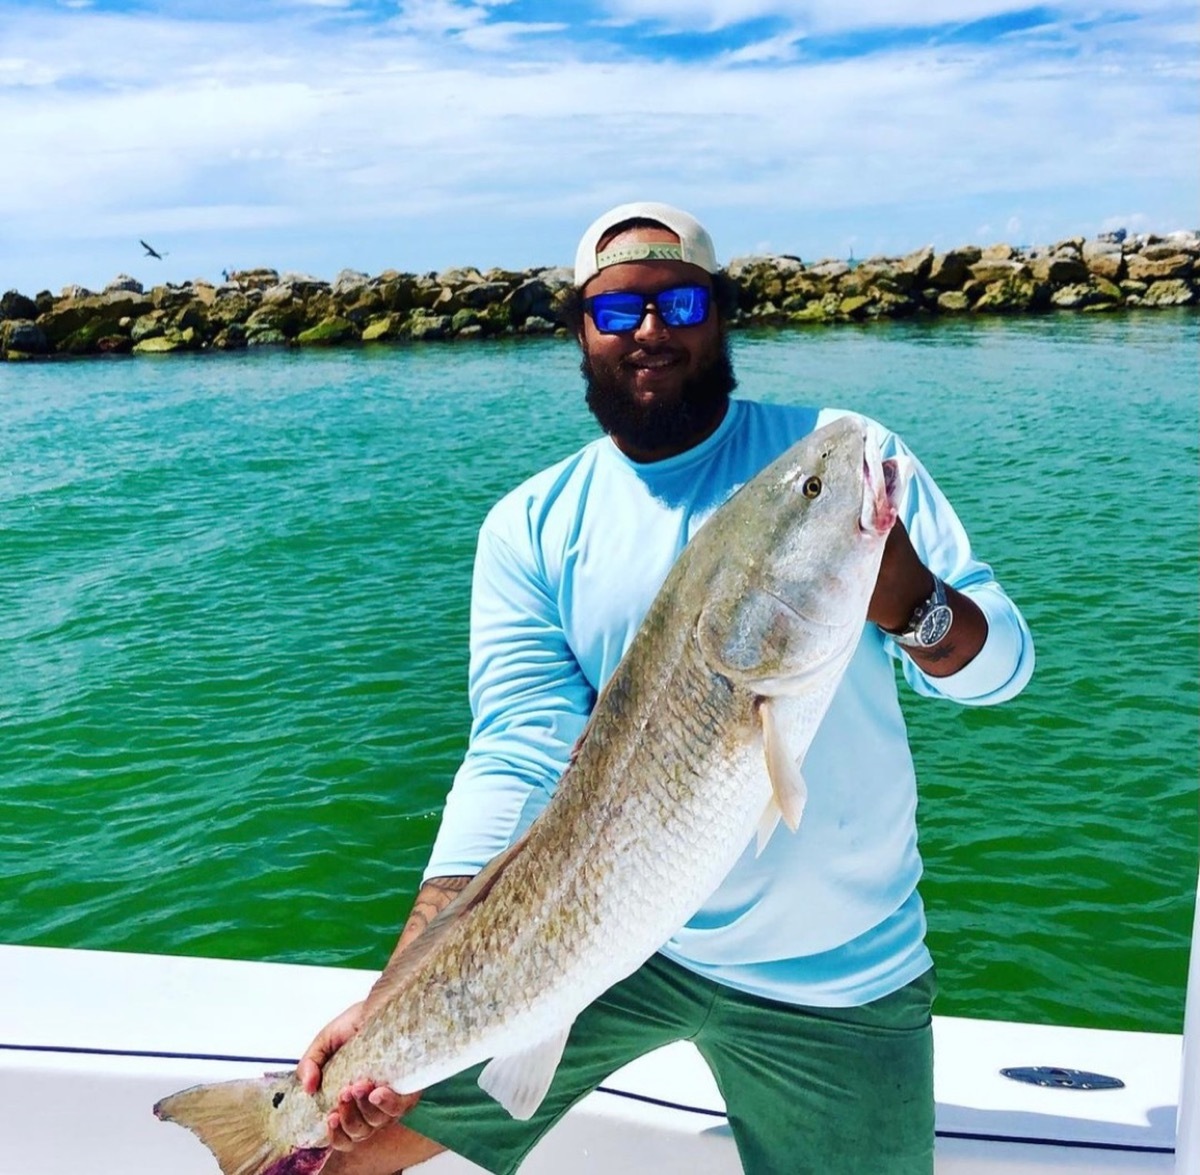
column 693, row 745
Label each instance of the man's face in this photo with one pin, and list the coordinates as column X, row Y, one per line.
column 655, row 389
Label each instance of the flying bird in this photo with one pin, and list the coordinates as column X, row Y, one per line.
column 151, row 252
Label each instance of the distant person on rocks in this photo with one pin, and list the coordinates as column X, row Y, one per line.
column 804, row 981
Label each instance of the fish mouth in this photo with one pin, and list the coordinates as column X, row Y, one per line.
column 882, row 483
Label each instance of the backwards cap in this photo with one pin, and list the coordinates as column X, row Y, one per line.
column 695, row 245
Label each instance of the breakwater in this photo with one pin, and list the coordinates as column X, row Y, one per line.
column 261, row 307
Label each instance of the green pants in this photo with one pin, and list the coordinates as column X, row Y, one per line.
column 835, row 1091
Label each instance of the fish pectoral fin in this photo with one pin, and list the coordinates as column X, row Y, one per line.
column 519, row 1081
column 789, row 792
column 766, row 826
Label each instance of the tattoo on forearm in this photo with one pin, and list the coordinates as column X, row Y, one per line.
column 943, row 652
column 434, row 897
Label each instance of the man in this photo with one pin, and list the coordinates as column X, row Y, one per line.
column 804, row 981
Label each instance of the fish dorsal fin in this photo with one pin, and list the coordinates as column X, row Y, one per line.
column 519, row 1081
column 789, row 792
column 479, row 887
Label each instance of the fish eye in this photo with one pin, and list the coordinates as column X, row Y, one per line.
column 811, row 487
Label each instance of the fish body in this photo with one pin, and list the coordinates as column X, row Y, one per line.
column 693, row 744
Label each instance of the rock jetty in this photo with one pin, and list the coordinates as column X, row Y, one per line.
column 260, row 307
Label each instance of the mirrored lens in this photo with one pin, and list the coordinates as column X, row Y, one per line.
column 683, row 305
column 617, row 312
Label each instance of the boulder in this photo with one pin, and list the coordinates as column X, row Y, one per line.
column 999, row 252
column 854, row 307
column 477, row 295
column 998, row 269
column 148, row 326
column 464, row 320
column 811, row 311
column 1167, row 249
column 1184, row 241
column 105, row 310
column 385, row 329
column 16, row 305
column 1142, row 267
column 228, row 307
column 1073, row 297
column 160, row 345
column 531, row 299
column 1059, row 269
column 949, row 271
column 830, row 269
column 427, row 327
column 1010, row 295
column 953, row 302
column 1105, row 259
column 348, row 282
column 265, row 336
column 254, row 279
column 204, row 292
column 328, row 332
column 230, row 338
column 396, row 292
column 124, row 282
column 22, row 335
column 285, row 317
column 918, row 264
column 1169, row 292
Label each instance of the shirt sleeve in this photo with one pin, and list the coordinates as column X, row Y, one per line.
column 529, row 704
column 1001, row 669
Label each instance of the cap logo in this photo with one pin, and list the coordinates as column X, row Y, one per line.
column 640, row 251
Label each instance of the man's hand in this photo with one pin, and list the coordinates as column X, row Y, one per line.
column 362, row 1107
column 905, row 582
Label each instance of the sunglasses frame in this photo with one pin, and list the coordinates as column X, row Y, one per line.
column 649, row 301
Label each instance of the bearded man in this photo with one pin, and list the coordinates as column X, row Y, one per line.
column 804, row 981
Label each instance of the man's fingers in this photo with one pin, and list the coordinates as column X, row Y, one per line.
column 391, row 1103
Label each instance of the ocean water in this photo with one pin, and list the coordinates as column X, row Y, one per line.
column 233, row 615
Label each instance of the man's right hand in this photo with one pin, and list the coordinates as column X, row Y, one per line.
column 362, row 1107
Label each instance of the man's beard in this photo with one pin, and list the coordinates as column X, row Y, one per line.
column 655, row 426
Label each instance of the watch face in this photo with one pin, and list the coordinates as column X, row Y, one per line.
column 934, row 625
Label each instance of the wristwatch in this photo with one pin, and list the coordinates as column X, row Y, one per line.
column 930, row 621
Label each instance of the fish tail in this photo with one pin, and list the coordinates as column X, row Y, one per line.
column 230, row 1119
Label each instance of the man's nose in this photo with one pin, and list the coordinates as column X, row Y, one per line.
column 652, row 326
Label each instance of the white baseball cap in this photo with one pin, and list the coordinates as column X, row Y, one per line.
column 695, row 245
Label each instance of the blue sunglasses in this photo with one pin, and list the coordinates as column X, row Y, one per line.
column 623, row 310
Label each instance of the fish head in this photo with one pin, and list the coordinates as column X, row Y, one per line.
column 800, row 558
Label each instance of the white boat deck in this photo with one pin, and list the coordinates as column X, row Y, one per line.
column 90, row 1040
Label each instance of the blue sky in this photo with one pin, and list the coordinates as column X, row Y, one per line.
column 316, row 135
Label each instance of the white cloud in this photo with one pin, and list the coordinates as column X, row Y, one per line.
column 128, row 126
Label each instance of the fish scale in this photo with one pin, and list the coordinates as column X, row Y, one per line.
column 662, row 796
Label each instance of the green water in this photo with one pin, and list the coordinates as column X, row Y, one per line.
column 233, row 602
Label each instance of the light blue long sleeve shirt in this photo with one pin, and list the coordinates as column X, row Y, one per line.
column 566, row 567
